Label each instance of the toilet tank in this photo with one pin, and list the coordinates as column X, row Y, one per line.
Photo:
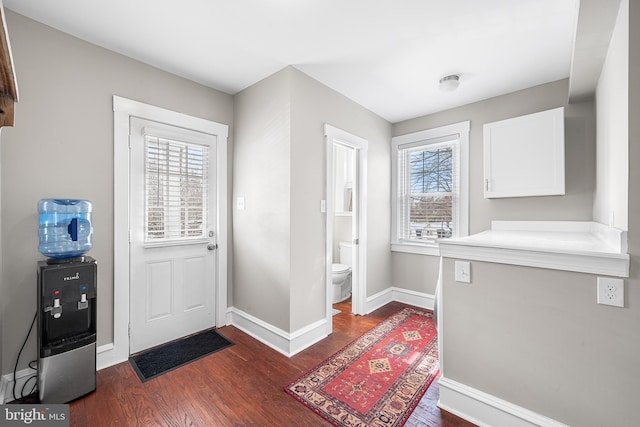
column 345, row 253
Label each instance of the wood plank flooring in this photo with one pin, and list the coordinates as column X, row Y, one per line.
column 238, row 386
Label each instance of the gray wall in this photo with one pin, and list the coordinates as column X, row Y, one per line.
column 536, row 338
column 261, row 232
column 62, row 146
column 279, row 167
column 314, row 105
column 576, row 205
column 415, row 272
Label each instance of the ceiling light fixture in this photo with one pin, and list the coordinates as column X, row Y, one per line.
column 449, row 83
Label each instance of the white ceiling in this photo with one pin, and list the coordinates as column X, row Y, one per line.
column 386, row 55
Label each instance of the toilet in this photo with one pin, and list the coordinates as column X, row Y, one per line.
column 341, row 274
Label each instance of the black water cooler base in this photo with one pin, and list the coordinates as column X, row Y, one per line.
column 67, row 376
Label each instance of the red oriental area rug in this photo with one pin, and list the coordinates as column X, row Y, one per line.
column 378, row 379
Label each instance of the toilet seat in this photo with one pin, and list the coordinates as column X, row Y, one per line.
column 340, row 268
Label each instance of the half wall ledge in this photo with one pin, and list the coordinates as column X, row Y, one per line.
column 579, row 246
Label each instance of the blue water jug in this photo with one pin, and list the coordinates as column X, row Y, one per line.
column 65, row 227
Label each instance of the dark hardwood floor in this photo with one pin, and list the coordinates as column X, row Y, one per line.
column 238, row 386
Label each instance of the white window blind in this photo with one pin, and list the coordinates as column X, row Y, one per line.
column 428, row 189
column 176, row 189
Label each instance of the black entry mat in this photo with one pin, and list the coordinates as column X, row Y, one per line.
column 165, row 358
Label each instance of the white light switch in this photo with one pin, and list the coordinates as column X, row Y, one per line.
column 463, row 271
column 240, row 203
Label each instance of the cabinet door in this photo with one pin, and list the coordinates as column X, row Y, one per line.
column 524, row 156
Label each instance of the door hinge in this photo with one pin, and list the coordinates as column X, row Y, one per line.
column 356, row 241
column 129, row 330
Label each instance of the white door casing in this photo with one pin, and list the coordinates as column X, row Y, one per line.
column 117, row 351
column 333, row 136
column 172, row 271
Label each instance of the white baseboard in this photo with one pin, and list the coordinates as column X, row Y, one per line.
column 417, row 299
column 106, row 356
column 3, row 389
column 486, row 410
column 376, row 301
column 283, row 342
column 292, row 343
column 6, row 384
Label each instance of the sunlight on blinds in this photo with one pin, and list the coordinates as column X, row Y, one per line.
column 428, row 190
column 176, row 188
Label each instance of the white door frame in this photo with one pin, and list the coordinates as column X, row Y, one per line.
column 359, row 284
column 123, row 109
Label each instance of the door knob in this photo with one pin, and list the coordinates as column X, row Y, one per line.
column 212, row 246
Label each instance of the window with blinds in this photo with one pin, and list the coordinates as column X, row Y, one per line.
column 176, row 189
column 428, row 190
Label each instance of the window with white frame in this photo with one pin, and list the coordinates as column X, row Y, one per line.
column 430, row 180
column 176, row 188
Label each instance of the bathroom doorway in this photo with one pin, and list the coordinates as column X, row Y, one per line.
column 346, row 253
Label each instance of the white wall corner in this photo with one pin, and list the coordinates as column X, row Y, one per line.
column 106, row 356
column 3, row 387
column 376, row 301
column 283, row 342
column 307, row 336
column 614, row 237
column 417, row 299
column 486, row 410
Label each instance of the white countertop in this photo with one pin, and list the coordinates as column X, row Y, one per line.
column 564, row 245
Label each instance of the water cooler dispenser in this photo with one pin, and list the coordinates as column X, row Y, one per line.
column 66, row 302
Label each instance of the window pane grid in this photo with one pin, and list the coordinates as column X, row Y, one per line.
column 428, row 192
column 176, row 188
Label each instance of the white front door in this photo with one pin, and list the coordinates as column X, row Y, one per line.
column 172, row 240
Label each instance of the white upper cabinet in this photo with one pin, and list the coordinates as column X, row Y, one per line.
column 524, row 156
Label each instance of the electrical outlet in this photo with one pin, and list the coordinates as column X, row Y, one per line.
column 463, row 271
column 611, row 291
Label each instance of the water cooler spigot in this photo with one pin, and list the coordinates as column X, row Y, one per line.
column 55, row 309
column 83, row 303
